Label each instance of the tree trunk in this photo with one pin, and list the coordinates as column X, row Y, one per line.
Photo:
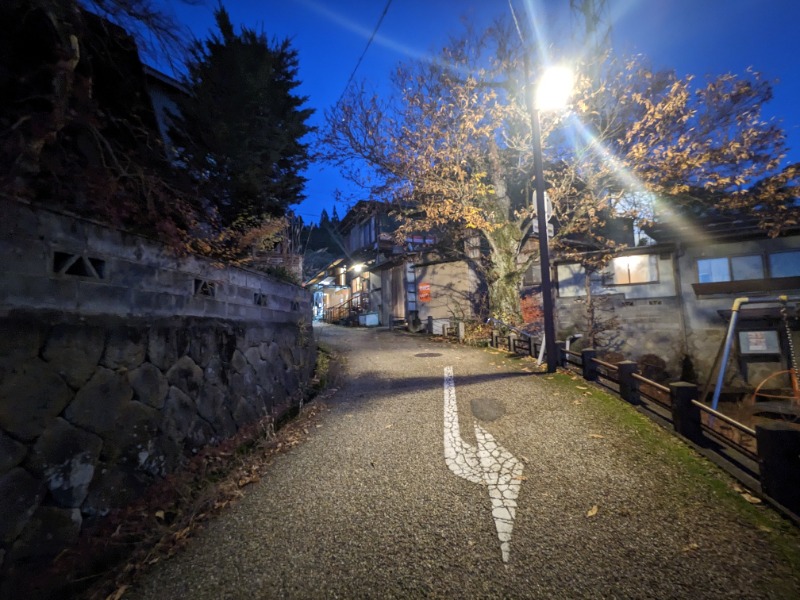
column 504, row 278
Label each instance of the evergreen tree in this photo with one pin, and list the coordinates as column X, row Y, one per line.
column 239, row 132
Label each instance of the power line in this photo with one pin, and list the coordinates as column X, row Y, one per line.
column 360, row 58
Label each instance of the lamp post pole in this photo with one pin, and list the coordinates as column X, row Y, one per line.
column 550, row 347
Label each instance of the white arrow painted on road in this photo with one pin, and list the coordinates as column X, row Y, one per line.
column 489, row 464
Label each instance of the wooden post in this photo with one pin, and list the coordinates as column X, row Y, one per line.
column 430, row 326
column 685, row 414
column 512, row 343
column 628, row 386
column 589, row 368
column 779, row 459
column 562, row 353
column 495, row 338
column 462, row 331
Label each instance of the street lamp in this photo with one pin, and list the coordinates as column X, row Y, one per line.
column 552, row 93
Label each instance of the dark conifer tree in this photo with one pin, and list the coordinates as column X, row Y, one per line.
column 240, row 130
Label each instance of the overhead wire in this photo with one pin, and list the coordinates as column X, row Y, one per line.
column 361, row 58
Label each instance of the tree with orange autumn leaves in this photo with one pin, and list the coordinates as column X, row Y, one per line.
column 454, row 144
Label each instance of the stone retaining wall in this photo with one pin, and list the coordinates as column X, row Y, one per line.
column 113, row 371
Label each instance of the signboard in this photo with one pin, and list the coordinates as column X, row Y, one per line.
column 424, row 292
column 759, row 342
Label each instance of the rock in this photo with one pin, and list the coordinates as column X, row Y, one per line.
column 125, row 349
column 182, row 423
column 238, row 361
column 74, row 351
column 98, row 403
column 66, row 456
column 164, row 346
column 11, row 453
column 186, row 376
column 113, row 487
column 20, row 495
column 135, row 426
column 49, row 531
column 149, row 385
column 31, row 396
column 205, row 346
column 212, row 405
column 253, row 356
column 19, row 341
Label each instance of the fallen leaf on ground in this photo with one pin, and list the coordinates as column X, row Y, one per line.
column 577, row 401
column 593, row 511
column 737, row 488
column 581, row 387
column 587, row 393
column 520, row 478
column 548, row 378
column 691, row 547
column 525, row 459
column 160, row 514
column 596, row 436
column 750, row 498
column 765, row 529
column 389, row 426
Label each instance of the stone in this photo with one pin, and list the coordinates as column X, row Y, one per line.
column 74, row 352
column 65, row 457
column 244, row 412
column 212, row 404
column 182, row 423
column 113, row 487
column 31, row 396
column 135, row 425
column 20, row 495
column 19, row 340
column 49, row 531
column 179, row 414
column 238, row 361
column 125, row 349
column 149, row 385
column 253, row 356
column 165, row 346
column 11, row 453
column 98, row 403
column 204, row 346
column 186, row 375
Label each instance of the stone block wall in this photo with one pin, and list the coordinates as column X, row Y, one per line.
column 118, row 360
column 92, row 412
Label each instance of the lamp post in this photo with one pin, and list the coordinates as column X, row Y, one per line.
column 552, row 93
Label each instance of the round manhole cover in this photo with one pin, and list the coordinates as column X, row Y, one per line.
column 428, row 354
column 487, row 409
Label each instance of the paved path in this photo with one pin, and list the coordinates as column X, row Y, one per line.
column 442, row 472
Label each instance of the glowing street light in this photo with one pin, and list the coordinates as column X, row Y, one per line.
column 552, row 93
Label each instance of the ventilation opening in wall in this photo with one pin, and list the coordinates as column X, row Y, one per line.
column 259, row 299
column 295, row 305
column 77, row 265
column 205, row 288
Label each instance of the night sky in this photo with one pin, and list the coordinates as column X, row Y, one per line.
column 692, row 36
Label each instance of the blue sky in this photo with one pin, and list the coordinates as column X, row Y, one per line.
column 692, row 36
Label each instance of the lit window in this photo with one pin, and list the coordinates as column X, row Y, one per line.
column 635, row 269
column 784, row 264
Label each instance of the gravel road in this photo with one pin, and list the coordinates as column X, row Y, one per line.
column 368, row 507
